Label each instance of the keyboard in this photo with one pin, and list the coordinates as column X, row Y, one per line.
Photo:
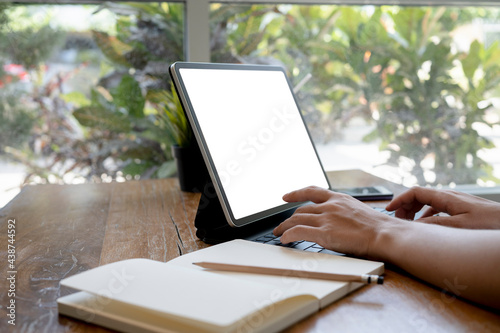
column 299, row 245
column 382, row 210
column 271, row 239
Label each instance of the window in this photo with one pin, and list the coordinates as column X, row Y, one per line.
column 406, row 91
column 410, row 93
column 84, row 90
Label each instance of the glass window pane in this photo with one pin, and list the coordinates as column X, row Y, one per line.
column 409, row 93
column 84, row 91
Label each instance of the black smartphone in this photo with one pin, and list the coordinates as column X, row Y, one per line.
column 367, row 193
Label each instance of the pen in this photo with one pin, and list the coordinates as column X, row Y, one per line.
column 362, row 278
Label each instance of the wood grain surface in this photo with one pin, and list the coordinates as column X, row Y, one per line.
column 62, row 230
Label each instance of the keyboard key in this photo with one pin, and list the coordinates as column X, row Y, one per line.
column 292, row 244
column 264, row 238
column 326, row 251
column 303, row 245
column 313, row 249
column 268, row 236
column 382, row 210
column 260, row 240
column 274, row 242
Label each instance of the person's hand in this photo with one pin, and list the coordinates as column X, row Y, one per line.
column 465, row 210
column 335, row 221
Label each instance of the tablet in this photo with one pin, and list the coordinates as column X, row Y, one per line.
column 252, row 136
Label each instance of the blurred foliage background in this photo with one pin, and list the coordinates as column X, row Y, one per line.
column 399, row 68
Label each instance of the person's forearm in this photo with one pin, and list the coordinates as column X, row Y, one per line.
column 463, row 262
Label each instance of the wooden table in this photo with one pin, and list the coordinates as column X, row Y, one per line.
column 64, row 230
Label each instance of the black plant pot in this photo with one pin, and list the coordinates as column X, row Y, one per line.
column 191, row 169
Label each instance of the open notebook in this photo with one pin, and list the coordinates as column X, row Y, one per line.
column 144, row 295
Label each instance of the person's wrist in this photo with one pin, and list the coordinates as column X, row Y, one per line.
column 384, row 243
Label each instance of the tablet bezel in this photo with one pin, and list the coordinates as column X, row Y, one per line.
column 198, row 134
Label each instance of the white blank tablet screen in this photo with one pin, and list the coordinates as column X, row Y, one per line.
column 255, row 136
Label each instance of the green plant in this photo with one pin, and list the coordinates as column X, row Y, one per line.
column 120, row 129
column 395, row 67
column 172, row 120
column 139, row 114
column 428, row 114
column 22, row 55
column 16, row 121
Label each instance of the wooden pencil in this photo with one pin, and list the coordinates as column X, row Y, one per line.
column 362, row 278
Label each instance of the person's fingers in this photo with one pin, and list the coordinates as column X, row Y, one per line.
column 429, row 212
column 403, row 201
column 448, row 221
column 295, row 220
column 311, row 193
column 446, row 201
column 301, row 232
column 310, row 209
column 406, row 214
column 415, row 198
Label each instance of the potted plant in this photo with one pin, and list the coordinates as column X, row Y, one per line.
column 161, row 123
column 191, row 169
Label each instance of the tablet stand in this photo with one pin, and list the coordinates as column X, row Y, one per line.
column 210, row 221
